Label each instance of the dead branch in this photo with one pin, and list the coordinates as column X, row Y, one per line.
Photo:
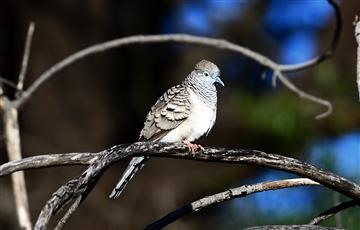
column 227, row 195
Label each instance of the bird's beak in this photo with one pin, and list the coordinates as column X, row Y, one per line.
column 218, row 80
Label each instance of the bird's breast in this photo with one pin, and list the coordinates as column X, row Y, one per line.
column 200, row 121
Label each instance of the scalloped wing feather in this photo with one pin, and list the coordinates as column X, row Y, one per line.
column 172, row 108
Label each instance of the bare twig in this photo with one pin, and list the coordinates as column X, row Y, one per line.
column 357, row 37
column 227, row 195
column 332, row 211
column 305, row 95
column 329, row 51
column 26, row 55
column 68, row 214
column 8, row 82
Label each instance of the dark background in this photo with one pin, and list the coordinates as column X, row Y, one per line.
column 103, row 100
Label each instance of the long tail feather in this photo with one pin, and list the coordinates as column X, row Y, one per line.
column 135, row 165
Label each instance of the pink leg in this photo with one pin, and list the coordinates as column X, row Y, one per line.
column 193, row 147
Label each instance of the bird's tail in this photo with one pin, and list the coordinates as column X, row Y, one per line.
column 135, row 165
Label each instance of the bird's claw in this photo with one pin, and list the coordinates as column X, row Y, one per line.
column 193, row 147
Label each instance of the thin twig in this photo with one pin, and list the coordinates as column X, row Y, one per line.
column 68, row 214
column 305, row 95
column 357, row 37
column 8, row 82
column 332, row 211
column 334, row 43
column 227, row 195
column 26, row 55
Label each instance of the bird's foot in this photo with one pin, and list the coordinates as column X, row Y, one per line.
column 193, row 147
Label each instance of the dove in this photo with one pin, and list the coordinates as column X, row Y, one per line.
column 184, row 113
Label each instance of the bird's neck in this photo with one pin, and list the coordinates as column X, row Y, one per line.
column 206, row 92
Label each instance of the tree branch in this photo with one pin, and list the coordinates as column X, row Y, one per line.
column 332, row 211
column 26, row 55
column 227, row 195
column 68, row 214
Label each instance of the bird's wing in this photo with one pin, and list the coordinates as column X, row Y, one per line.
column 172, row 108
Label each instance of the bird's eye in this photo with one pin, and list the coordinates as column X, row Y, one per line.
column 206, row 74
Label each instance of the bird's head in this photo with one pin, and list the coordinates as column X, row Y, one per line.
column 208, row 72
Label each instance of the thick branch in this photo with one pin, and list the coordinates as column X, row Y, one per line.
column 227, row 195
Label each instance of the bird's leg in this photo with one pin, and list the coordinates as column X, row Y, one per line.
column 193, row 147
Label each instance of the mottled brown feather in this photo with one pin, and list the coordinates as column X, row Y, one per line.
column 172, row 108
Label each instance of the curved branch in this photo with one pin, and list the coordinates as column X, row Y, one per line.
column 331, row 49
column 228, row 195
column 302, row 94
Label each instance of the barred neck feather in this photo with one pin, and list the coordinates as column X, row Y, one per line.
column 205, row 91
